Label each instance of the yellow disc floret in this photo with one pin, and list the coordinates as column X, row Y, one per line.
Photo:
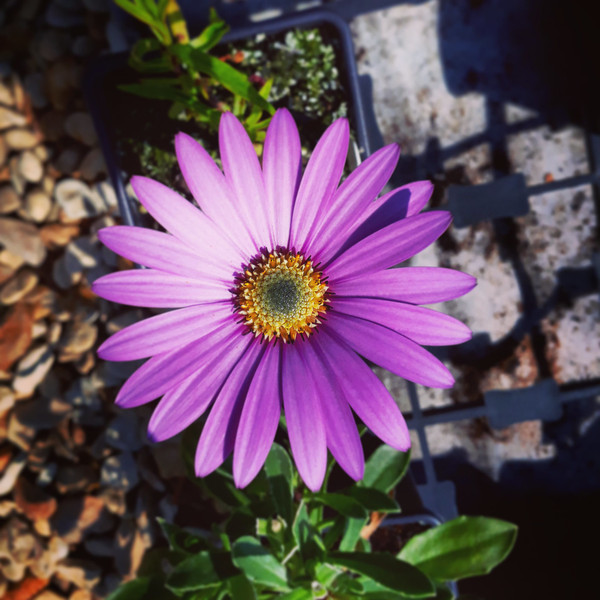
column 280, row 294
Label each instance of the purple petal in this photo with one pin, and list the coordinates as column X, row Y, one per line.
column 422, row 325
column 390, row 245
column 351, row 200
column 244, row 175
column 340, row 429
column 303, row 416
column 218, row 435
column 282, row 164
column 390, row 350
column 365, row 393
column 185, row 403
column 147, row 287
column 259, row 420
column 165, row 332
column 163, row 372
column 185, row 221
column 417, row 285
column 406, row 201
column 210, row 189
column 160, row 251
column 320, row 181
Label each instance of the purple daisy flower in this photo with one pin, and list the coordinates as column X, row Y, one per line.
column 300, row 263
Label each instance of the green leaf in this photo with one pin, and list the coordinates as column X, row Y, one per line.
column 258, row 564
column 153, row 91
column 385, row 468
column 352, row 533
column 345, row 505
column 135, row 11
column 386, row 570
column 132, row 590
column 463, row 547
column 297, row 594
column 278, row 468
column 240, row 587
column 212, row 34
column 138, row 57
column 180, row 539
column 201, row 570
column 373, row 499
column 229, row 77
column 306, row 535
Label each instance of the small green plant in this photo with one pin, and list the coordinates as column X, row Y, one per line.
column 279, row 540
column 182, row 70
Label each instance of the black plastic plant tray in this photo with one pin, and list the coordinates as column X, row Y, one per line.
column 332, row 26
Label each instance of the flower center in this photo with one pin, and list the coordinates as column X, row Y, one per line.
column 280, row 294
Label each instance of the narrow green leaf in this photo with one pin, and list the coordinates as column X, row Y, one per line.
column 258, row 564
column 373, row 499
column 278, row 468
column 138, row 57
column 463, row 547
column 153, row 92
column 210, row 36
column 230, row 78
column 201, row 570
column 135, row 11
column 386, row 570
column 385, row 468
column 176, row 22
column 345, row 505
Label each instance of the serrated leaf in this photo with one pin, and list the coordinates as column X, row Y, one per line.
column 384, row 569
column 385, row 468
column 258, row 564
column 463, row 547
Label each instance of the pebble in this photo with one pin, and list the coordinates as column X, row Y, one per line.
column 52, row 125
column 16, row 178
column 7, row 399
column 11, row 260
column 93, row 165
column 21, row 139
column 66, row 162
column 83, row 46
column 30, row 167
column 34, row 84
column 12, row 471
column 72, row 479
column 75, row 516
column 42, row 413
column 22, row 239
column 53, row 44
column 9, row 200
column 3, row 151
column 32, row 369
column 78, row 200
column 120, row 472
column 80, row 127
column 20, row 285
column 56, row 235
column 6, row 95
column 37, row 205
column 34, row 502
column 123, row 432
column 77, row 338
column 43, row 152
column 10, row 118
column 82, row 573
